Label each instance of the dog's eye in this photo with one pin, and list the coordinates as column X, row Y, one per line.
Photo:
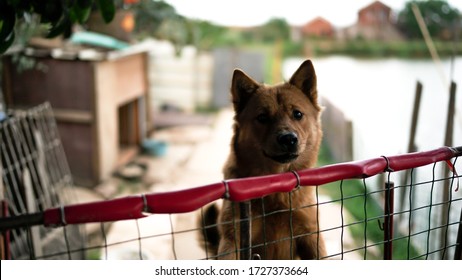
column 297, row 114
column 263, row 118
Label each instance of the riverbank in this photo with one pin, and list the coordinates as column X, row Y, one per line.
column 415, row 49
column 378, row 49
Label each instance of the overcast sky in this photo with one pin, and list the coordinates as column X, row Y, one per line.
column 341, row 13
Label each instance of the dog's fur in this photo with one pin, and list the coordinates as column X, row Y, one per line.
column 277, row 129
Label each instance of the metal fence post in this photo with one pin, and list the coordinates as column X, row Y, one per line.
column 388, row 224
column 458, row 251
column 245, row 230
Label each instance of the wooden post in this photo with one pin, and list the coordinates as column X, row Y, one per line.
column 446, row 188
column 411, row 144
column 415, row 118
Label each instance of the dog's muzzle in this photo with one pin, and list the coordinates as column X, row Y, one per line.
column 288, row 142
column 288, row 147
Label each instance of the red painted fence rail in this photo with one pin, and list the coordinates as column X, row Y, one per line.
column 134, row 207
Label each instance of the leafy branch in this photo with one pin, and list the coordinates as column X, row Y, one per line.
column 59, row 15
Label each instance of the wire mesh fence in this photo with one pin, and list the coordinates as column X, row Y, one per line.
column 399, row 207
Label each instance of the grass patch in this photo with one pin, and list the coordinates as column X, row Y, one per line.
column 378, row 49
column 412, row 49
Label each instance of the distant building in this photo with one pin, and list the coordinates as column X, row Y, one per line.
column 318, row 27
column 375, row 14
column 375, row 22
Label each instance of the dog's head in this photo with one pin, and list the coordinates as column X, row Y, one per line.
column 280, row 124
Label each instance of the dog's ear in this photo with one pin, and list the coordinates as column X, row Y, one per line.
column 305, row 80
column 242, row 88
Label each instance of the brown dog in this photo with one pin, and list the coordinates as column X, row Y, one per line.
column 277, row 129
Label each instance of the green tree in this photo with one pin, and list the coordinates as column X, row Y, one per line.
column 275, row 29
column 150, row 14
column 441, row 19
column 160, row 20
column 58, row 15
column 205, row 35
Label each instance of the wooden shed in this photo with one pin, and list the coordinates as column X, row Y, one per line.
column 100, row 107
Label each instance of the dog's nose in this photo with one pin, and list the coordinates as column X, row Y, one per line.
column 289, row 141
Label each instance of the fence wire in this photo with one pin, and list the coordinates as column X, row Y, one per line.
column 399, row 207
